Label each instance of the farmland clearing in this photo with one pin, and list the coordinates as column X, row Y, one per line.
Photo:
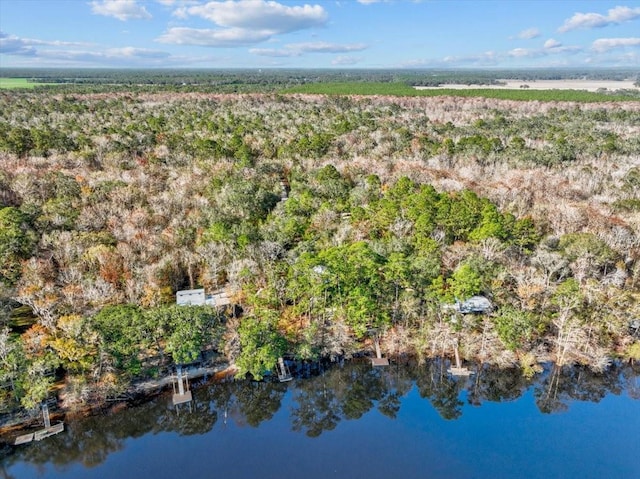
column 584, row 85
column 14, row 83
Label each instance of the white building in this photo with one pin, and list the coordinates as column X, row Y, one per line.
column 191, row 297
column 197, row 297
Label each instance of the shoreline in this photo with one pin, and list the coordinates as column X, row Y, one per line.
column 148, row 389
column 139, row 391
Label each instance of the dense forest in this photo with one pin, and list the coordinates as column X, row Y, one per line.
column 333, row 222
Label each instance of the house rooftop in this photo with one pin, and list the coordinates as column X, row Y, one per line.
column 198, row 297
column 475, row 304
column 191, row 297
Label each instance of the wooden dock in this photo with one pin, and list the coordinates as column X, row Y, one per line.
column 49, row 431
column 458, row 370
column 182, row 398
column 40, row 434
column 181, row 392
column 284, row 374
column 377, row 362
column 24, row 439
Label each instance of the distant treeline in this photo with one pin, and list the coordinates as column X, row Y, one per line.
column 259, row 80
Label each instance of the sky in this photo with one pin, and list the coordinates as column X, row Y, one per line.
column 387, row 34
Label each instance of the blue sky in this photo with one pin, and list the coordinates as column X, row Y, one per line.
column 319, row 34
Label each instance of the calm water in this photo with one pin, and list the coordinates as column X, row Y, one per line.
column 404, row 421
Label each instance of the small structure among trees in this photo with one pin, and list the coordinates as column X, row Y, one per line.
column 198, row 297
column 475, row 305
column 182, row 394
column 191, row 297
column 458, row 369
column 284, row 374
column 41, row 434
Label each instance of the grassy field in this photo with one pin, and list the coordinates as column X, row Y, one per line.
column 401, row 89
column 13, row 83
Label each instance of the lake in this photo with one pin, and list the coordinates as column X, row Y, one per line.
column 355, row 421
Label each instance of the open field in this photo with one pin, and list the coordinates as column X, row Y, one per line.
column 12, row 83
column 583, row 85
column 520, row 94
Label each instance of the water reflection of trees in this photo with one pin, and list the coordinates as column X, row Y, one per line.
column 320, row 403
column 347, row 393
column 247, row 402
column 559, row 386
column 496, row 385
column 441, row 389
column 90, row 440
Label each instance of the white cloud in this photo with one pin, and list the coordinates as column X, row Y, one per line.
column 623, row 14
column 13, row 45
column 274, row 52
column 132, row 52
column 344, row 60
column 121, row 9
column 174, row 3
column 524, row 53
column 596, row 20
column 128, row 56
column 488, row 58
column 261, row 15
column 529, row 33
column 369, row 2
column 602, row 45
column 122, row 56
column 628, row 59
column 481, row 59
column 297, row 49
column 31, row 51
column 550, row 47
column 229, row 37
column 324, row 47
column 181, row 13
column 552, row 43
column 243, row 22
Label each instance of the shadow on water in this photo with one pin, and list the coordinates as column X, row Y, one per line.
column 319, row 404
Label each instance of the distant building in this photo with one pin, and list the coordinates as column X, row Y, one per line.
column 197, row 297
column 475, row 304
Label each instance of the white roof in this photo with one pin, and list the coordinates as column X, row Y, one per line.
column 197, row 297
column 190, row 297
